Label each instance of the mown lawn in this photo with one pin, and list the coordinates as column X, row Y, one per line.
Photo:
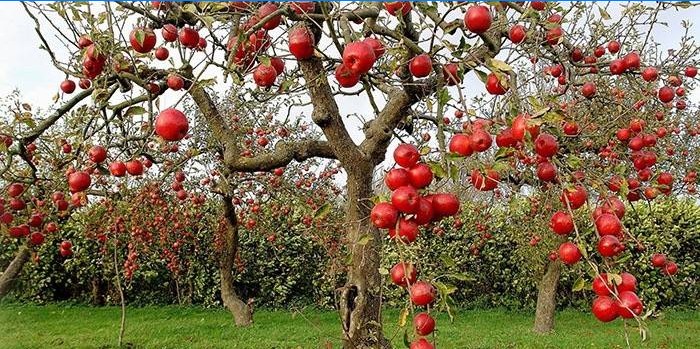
column 61, row 326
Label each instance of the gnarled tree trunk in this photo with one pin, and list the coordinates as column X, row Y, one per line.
column 546, row 298
column 360, row 299
column 242, row 312
column 13, row 270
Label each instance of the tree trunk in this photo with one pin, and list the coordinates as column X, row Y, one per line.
column 546, row 298
column 242, row 312
column 98, row 290
column 13, row 270
column 360, row 299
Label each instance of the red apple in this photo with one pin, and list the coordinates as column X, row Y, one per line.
column 384, row 215
column 359, row 57
column 658, row 260
column 143, row 40
column 265, row 75
column 445, row 204
column 396, row 177
column 97, row 154
column 461, row 144
column 399, row 275
column 345, row 77
column 561, row 223
column 517, row 34
column 569, row 253
column 405, row 199
column 477, row 19
column 420, row 66
column 79, row 181
column 68, row 86
column 171, row 124
column 422, row 293
column 420, row 175
column 134, row 167
column 406, row 155
column 162, row 53
column 169, row 33
column 495, row 86
column 629, row 304
column 301, row 42
column 605, row 309
column 424, row 324
column 188, row 37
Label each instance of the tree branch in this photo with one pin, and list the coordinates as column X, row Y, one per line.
column 282, row 155
column 325, row 112
column 48, row 122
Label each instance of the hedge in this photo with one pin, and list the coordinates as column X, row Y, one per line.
column 296, row 269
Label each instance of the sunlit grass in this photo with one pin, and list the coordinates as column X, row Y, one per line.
column 62, row 326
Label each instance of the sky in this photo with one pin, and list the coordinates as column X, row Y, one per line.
column 25, row 67
column 22, row 64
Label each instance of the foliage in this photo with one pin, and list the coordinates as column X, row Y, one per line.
column 488, row 261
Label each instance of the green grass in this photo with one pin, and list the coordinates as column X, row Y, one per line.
column 61, row 326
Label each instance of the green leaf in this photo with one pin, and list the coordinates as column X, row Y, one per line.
column 135, row 110
column 444, row 96
column 438, row 170
column 364, row 240
column 500, row 65
column 603, row 14
column 481, row 75
column 503, row 153
column 208, row 20
column 461, row 277
column 578, row 285
column 403, row 317
column 286, row 84
column 682, row 4
column 553, row 117
column 406, row 340
column 582, row 248
column 28, row 121
column 445, row 289
column 191, row 8
column 626, row 257
column 616, row 278
column 206, row 82
column 500, row 166
column 322, row 211
column 140, row 36
column 264, row 60
column 76, row 15
column 447, row 260
column 534, row 102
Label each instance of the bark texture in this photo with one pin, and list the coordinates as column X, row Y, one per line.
column 13, row 270
column 546, row 298
column 242, row 312
column 360, row 299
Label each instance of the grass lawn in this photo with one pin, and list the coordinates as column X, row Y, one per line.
column 61, row 326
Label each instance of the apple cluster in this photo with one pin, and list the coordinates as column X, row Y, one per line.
column 402, row 216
